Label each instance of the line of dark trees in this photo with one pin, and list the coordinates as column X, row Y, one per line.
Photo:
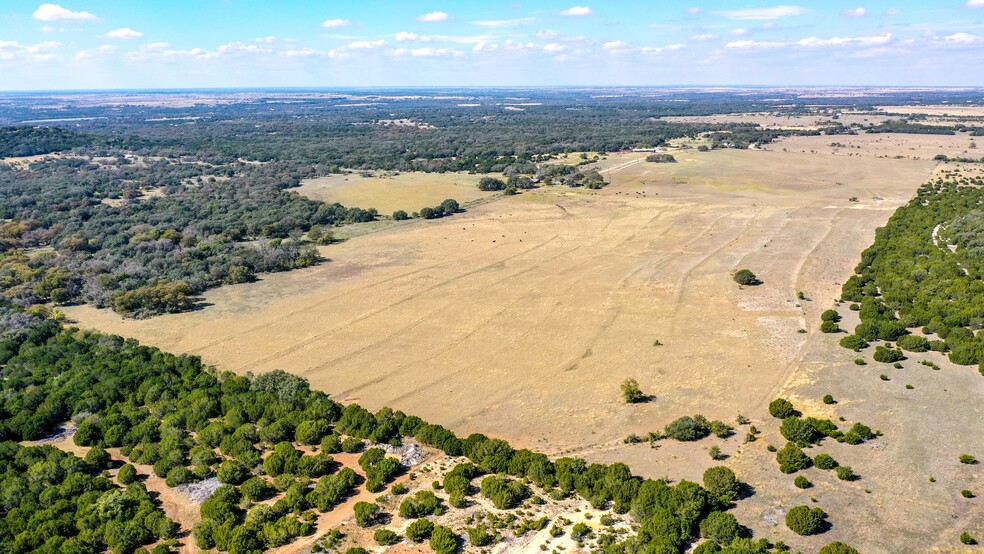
column 909, row 279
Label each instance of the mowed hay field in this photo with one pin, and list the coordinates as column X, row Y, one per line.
column 520, row 317
column 390, row 192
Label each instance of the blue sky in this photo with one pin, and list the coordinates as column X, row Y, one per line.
column 88, row 44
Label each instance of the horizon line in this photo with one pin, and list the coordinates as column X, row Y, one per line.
column 484, row 87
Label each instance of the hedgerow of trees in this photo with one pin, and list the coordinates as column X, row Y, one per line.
column 909, row 280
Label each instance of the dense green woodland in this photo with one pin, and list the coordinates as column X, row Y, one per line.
column 148, row 206
column 190, row 422
column 909, row 280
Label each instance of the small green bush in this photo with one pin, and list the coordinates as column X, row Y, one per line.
column 845, row 473
column 966, row 538
column 386, row 537
column 791, row 459
column 580, row 531
column 887, row 355
column 838, row 547
column 127, row 474
column 443, row 540
column 722, row 482
column 913, row 343
column 688, row 429
column 828, row 399
column 804, row 520
column 781, row 408
column 967, row 459
column 631, row 393
column 479, row 536
column 420, row 530
column 966, row 494
column 802, row 482
column 824, row 461
column 853, row 342
column 746, row 277
column 830, row 315
column 720, row 526
column 829, row 327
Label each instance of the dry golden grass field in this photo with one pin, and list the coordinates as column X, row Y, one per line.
column 769, row 120
column 520, row 317
column 387, row 193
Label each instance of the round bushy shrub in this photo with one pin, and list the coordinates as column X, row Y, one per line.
column 721, row 482
column 232, row 472
column 127, row 474
column 791, row 459
column 913, row 343
column 888, row 355
column 385, row 537
column 420, row 530
column 799, row 431
column 745, row 277
column 802, row 482
column 687, row 428
column 804, row 520
column 891, row 330
column 824, row 461
column 781, row 408
column 719, row 526
column 854, row 342
column 838, row 547
column 443, row 540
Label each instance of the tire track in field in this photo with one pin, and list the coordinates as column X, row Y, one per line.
column 318, row 304
column 682, row 282
column 586, row 268
column 315, row 338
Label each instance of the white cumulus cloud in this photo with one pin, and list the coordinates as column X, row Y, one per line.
column 366, row 44
column 704, row 37
column 54, row 12
column 93, row 53
column 335, row 23
column 433, row 16
column 963, row 39
column 404, row 36
column 124, row 33
column 775, row 12
column 577, row 11
column 428, row 52
column 13, row 50
column 975, row 4
column 856, row 12
column 505, row 22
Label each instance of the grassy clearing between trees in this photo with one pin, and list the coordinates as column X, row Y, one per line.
column 387, row 192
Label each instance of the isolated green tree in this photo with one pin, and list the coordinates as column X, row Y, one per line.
column 745, row 277
column 631, row 392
